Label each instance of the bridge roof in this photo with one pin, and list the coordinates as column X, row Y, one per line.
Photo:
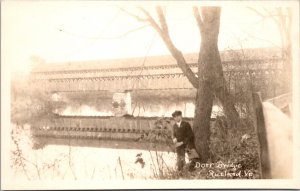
column 137, row 62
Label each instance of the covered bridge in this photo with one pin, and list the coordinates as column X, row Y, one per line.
column 154, row 86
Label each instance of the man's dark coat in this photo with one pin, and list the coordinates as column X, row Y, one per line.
column 184, row 134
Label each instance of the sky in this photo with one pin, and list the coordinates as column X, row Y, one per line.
column 64, row 31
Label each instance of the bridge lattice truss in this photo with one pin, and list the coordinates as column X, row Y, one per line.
column 148, row 78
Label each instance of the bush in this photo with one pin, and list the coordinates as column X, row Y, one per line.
column 30, row 103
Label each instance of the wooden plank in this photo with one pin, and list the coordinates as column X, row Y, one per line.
column 281, row 101
column 262, row 137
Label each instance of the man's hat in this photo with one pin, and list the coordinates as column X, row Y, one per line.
column 176, row 113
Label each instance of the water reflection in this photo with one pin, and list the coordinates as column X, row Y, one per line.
column 100, row 143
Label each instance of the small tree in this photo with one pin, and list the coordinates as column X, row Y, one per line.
column 282, row 18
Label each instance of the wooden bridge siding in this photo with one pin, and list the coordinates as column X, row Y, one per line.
column 128, row 84
column 270, row 82
column 57, row 73
column 95, row 123
column 93, row 127
column 68, row 132
column 81, row 74
column 101, row 123
column 268, row 78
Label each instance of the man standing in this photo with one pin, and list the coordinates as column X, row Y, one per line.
column 183, row 138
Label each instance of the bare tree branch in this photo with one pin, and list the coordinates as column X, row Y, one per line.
column 133, row 15
column 275, row 18
column 198, row 18
column 283, row 19
column 162, row 30
column 256, row 11
column 265, row 15
column 127, row 32
column 200, row 26
column 162, row 20
column 151, row 21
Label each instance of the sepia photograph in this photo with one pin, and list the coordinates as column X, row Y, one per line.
column 150, row 94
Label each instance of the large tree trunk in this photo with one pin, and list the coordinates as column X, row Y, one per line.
column 208, row 56
column 211, row 81
column 201, row 127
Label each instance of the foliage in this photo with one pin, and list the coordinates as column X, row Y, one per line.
column 228, row 147
column 27, row 162
column 30, row 103
column 161, row 134
column 239, row 146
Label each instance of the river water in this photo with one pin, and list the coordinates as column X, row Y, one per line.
column 82, row 159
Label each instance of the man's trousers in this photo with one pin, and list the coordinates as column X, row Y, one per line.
column 180, row 151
